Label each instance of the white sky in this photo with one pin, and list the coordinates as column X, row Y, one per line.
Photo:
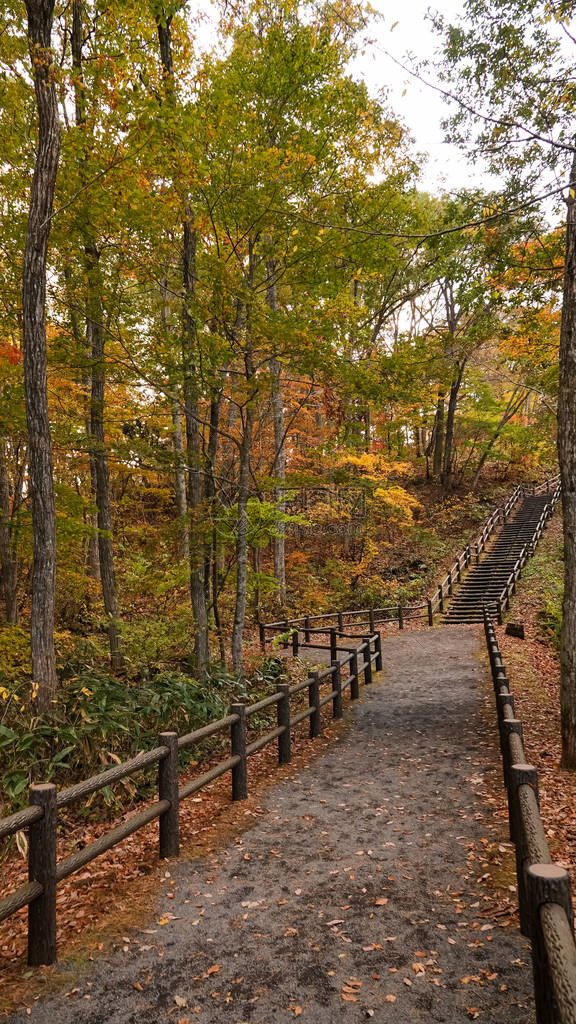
column 418, row 106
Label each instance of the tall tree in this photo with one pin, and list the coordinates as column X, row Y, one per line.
column 511, row 66
column 44, row 681
column 191, row 392
column 96, row 355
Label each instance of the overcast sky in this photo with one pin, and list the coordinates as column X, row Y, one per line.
column 417, row 105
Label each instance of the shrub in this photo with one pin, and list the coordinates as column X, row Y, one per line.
column 99, row 720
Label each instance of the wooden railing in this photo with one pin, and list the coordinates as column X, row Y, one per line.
column 369, row 617
column 40, row 818
column 544, row 892
column 501, row 603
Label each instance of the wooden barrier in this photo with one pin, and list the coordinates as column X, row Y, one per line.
column 40, row 818
column 544, row 895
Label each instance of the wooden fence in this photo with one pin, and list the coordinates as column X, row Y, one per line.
column 509, row 588
column 40, row 818
column 544, row 892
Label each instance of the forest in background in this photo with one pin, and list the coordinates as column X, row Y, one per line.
column 281, row 376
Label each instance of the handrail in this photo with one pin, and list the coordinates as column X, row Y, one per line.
column 41, row 817
column 502, row 602
column 544, row 891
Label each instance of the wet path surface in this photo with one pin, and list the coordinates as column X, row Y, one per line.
column 351, row 898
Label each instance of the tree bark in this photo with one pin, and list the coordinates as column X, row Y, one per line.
column 242, row 523
column 194, row 453
column 79, row 334
column 43, row 659
column 194, row 446
column 180, row 479
column 99, row 469
column 438, row 436
column 178, row 445
column 95, row 340
column 10, row 505
column 567, row 461
column 279, row 465
column 450, row 419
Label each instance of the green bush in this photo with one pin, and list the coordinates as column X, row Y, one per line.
column 99, row 720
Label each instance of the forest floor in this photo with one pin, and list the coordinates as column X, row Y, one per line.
column 366, row 889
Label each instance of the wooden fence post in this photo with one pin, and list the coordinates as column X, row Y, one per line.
column 238, row 744
column 168, row 790
column 262, row 633
column 354, row 684
column 379, row 663
column 430, row 612
column 499, row 610
column 333, row 646
column 371, row 620
column 367, row 661
column 337, row 687
column 295, row 642
column 450, row 582
column 314, row 702
column 545, row 883
column 520, row 775
column 307, row 629
column 441, row 598
column 400, row 617
column 42, row 869
column 283, row 719
column 458, row 570
column 340, row 622
column 507, row 726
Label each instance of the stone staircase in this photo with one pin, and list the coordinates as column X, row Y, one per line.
column 485, row 582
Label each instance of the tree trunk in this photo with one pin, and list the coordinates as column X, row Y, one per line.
column 99, row 469
column 9, row 540
column 450, row 419
column 567, row 461
column 180, row 480
column 178, row 445
column 279, row 472
column 44, row 681
column 194, row 454
column 242, row 526
column 79, row 334
column 279, row 465
column 438, row 436
column 367, row 429
column 95, row 340
column 193, row 447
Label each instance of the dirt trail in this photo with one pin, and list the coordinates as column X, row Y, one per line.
column 351, row 898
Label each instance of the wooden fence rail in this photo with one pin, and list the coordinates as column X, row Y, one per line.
column 544, row 893
column 40, row 818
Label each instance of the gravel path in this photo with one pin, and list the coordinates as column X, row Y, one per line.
column 350, row 899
